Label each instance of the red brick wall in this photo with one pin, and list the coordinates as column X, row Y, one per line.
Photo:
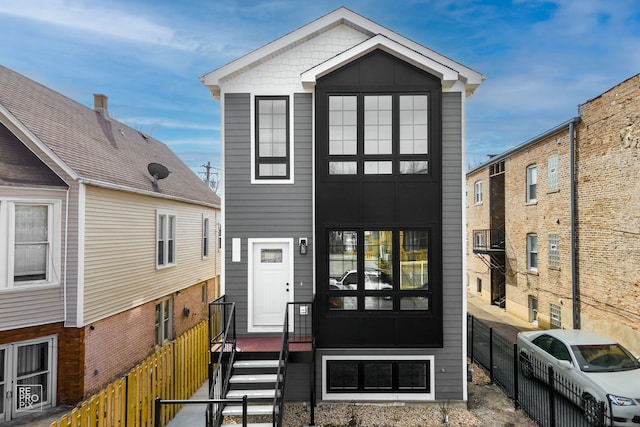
column 70, row 356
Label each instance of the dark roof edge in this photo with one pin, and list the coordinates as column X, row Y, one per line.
column 525, row 144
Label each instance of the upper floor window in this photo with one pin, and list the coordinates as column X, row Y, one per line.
column 532, row 252
column 30, row 238
column 477, row 192
column 166, row 239
column 532, row 183
column 379, row 134
column 205, row 236
column 272, row 157
column 552, row 172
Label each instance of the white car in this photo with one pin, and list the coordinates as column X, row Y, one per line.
column 602, row 369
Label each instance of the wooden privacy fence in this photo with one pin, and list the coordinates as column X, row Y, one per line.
column 175, row 371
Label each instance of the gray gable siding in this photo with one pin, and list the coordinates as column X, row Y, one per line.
column 265, row 210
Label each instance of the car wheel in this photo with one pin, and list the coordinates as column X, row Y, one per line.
column 591, row 410
column 525, row 365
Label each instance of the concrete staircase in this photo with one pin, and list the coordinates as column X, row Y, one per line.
column 256, row 378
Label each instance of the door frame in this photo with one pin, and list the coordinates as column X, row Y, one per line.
column 11, row 412
column 250, row 262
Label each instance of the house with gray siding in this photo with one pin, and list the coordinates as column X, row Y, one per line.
column 343, row 174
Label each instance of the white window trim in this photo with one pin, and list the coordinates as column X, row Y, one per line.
column 254, row 179
column 161, row 330
column 477, row 192
column 7, row 243
column 529, row 182
column 529, row 252
column 395, row 396
column 159, row 213
column 206, row 233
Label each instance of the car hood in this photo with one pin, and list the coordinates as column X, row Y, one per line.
column 621, row 383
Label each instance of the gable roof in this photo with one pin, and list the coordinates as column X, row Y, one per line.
column 91, row 148
column 378, row 37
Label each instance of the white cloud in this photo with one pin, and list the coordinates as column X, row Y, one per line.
column 138, row 122
column 96, row 17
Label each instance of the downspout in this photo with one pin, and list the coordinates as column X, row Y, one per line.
column 575, row 291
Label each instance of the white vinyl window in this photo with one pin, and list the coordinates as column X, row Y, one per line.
column 30, row 241
column 166, row 239
column 205, row 236
column 477, row 192
column 532, row 252
column 532, row 184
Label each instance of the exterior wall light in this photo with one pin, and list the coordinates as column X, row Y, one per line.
column 302, row 243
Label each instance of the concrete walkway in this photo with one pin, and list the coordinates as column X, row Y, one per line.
column 192, row 415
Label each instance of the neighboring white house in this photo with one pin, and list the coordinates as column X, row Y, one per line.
column 100, row 262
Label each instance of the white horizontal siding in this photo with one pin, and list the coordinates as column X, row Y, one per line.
column 120, row 251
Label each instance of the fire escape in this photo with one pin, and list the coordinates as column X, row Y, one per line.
column 489, row 244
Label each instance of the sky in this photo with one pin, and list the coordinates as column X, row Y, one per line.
column 541, row 58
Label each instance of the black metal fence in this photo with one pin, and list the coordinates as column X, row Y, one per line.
column 547, row 397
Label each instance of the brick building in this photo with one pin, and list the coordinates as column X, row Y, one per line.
column 521, row 222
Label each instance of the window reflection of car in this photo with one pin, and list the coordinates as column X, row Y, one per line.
column 603, row 369
column 373, row 280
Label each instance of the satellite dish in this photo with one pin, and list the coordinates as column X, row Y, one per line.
column 158, row 171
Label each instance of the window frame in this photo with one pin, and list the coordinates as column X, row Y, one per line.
column 206, row 236
column 168, row 251
column 393, row 393
column 257, row 161
column 477, row 192
column 8, row 244
column 163, row 326
column 341, row 297
column 532, row 183
column 553, row 172
column 532, row 252
column 366, row 163
column 554, row 250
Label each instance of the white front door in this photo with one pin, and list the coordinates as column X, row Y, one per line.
column 270, row 283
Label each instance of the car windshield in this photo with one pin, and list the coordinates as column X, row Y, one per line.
column 604, row 358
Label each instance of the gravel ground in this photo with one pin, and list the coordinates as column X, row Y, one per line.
column 487, row 406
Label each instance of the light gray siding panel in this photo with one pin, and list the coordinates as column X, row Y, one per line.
column 265, row 210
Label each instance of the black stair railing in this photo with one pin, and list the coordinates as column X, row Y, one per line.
column 297, row 330
column 222, row 342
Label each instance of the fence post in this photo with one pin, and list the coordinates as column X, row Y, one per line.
column 490, row 355
column 552, row 398
column 156, row 412
column 515, row 376
column 126, row 400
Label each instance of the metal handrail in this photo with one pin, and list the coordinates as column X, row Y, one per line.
column 278, row 399
column 224, row 341
column 159, row 402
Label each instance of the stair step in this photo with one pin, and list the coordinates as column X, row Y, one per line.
column 251, row 394
column 258, row 378
column 240, row 364
column 249, row 425
column 236, row 410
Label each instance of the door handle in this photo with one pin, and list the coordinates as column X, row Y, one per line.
column 287, row 284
